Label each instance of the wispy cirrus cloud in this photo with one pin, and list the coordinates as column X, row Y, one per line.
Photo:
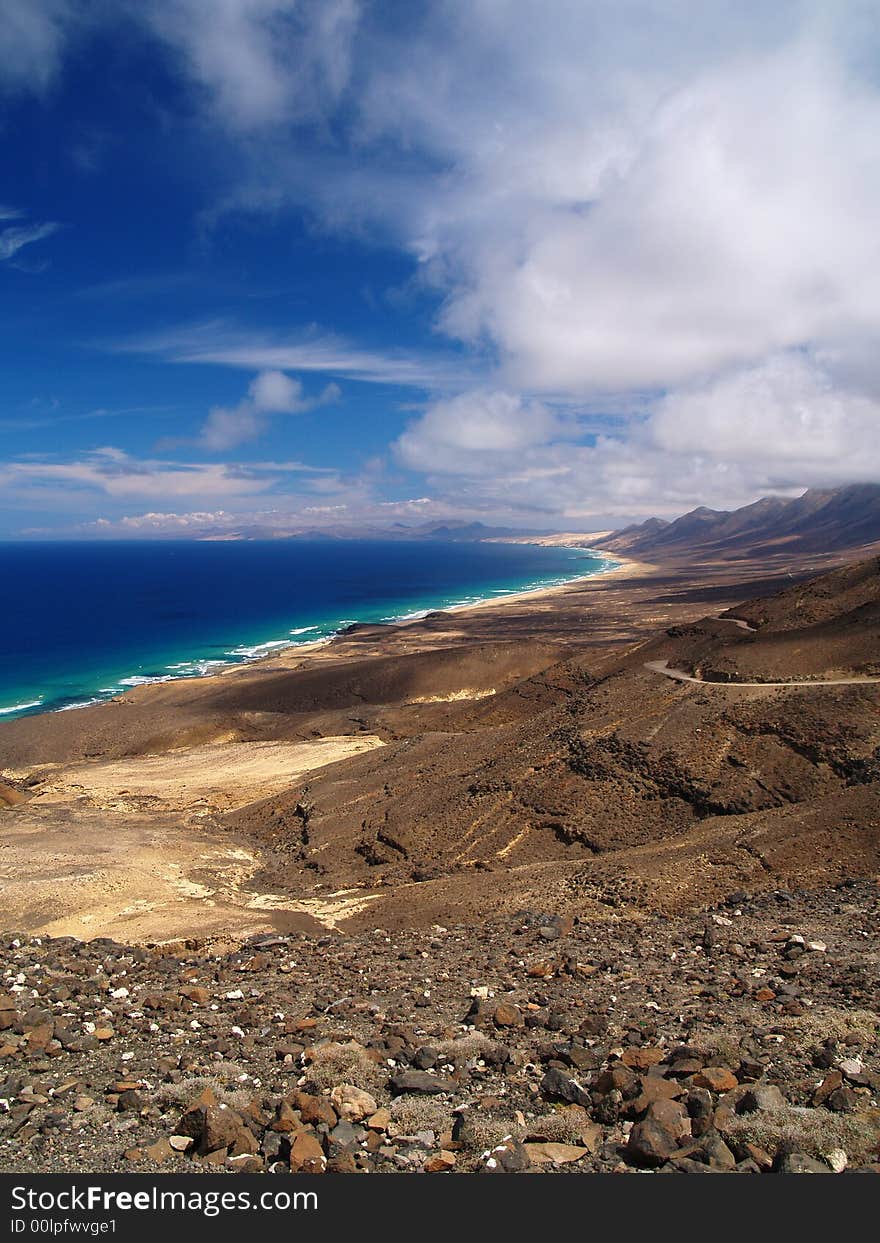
column 14, row 237
column 224, row 344
column 114, row 473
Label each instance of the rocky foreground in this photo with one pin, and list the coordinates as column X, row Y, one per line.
column 744, row 1039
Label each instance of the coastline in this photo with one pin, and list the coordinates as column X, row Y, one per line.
column 276, row 650
column 298, row 655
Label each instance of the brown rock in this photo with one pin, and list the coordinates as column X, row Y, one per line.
column 39, row 1037
column 555, row 1154
column 507, row 1015
column 654, row 1088
column 650, row 1143
column 314, row 1109
column 671, row 1115
column 221, row 1128
column 160, row 1151
column 200, row 996
column 439, row 1163
column 716, row 1079
column 642, row 1059
column 307, row 1155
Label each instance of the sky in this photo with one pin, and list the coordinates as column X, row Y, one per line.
column 275, row 265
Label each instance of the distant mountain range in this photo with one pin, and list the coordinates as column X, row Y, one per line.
column 819, row 521
column 449, row 531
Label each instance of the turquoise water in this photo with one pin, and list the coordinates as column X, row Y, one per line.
column 84, row 622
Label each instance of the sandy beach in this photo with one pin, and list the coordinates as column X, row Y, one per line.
column 152, row 814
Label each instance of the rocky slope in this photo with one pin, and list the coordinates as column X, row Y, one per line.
column 742, row 1040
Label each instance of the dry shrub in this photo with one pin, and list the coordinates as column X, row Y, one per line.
column 420, row 1113
column 815, row 1132
column 467, row 1048
column 182, row 1094
column 823, row 1023
column 334, row 1063
column 564, row 1126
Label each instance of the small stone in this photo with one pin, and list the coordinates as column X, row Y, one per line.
column 419, row 1081
column 800, row 1163
column 508, row 1157
column 642, row 1059
column 307, row 1155
column 716, row 1079
column 351, row 1103
column 837, row 1160
column 763, row 1097
column 561, row 1087
column 842, row 1100
column 314, row 1109
column 160, row 1151
column 379, row 1120
column 82, row 1103
column 181, row 1143
column 650, row 1143
column 555, row 1154
column 507, row 1015
column 671, row 1115
column 439, row 1163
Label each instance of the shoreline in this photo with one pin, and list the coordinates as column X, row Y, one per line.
column 280, row 648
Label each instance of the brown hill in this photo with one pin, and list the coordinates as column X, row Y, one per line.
column 818, row 521
column 612, row 781
column 413, row 775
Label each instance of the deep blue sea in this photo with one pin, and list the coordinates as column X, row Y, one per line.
column 83, row 622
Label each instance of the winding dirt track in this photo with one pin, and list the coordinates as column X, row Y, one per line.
column 679, row 675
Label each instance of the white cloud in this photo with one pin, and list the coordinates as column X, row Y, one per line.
column 610, row 200
column 32, row 36
column 272, row 392
column 112, row 472
column 225, row 345
column 459, row 433
column 15, row 237
column 260, row 61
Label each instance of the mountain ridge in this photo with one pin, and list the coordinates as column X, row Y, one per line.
column 820, row 520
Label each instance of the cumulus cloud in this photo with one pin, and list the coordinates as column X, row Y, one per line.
column 272, row 392
column 463, row 431
column 658, row 207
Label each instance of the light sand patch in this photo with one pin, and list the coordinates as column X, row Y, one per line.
column 219, row 775
column 453, row 697
column 344, row 904
column 140, row 878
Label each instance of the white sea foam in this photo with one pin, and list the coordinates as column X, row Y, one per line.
column 83, row 703
column 303, row 629
column 145, row 680
column 259, row 649
column 34, row 703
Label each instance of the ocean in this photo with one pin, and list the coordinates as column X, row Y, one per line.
column 82, row 622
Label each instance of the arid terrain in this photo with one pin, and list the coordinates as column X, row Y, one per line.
column 615, row 765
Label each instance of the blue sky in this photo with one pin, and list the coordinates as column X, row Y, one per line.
column 275, row 264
